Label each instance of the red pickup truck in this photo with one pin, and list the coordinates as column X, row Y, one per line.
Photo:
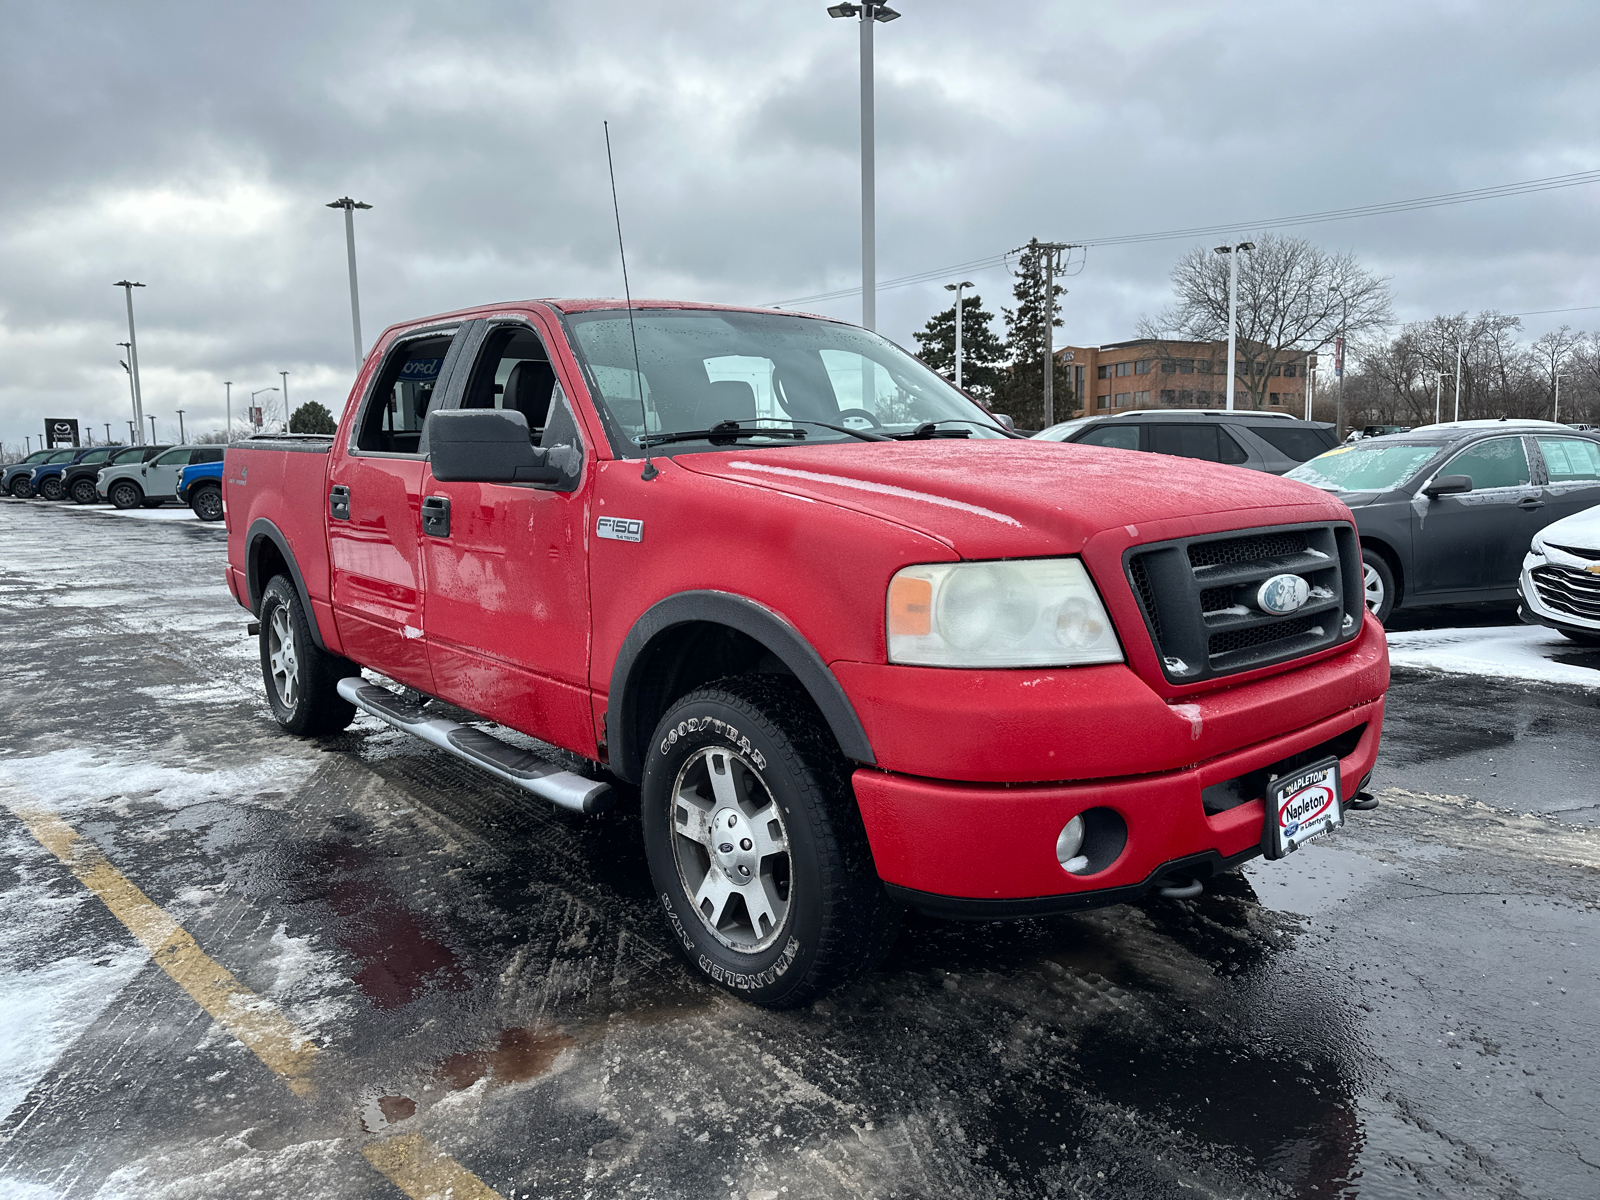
column 859, row 645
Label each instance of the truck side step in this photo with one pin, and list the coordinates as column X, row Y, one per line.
column 524, row 768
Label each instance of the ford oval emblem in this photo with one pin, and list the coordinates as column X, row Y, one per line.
column 1283, row 594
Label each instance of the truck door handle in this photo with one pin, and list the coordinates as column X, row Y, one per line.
column 1529, row 503
column 339, row 502
column 436, row 516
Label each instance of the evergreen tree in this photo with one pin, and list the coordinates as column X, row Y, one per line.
column 983, row 355
column 311, row 417
column 1022, row 394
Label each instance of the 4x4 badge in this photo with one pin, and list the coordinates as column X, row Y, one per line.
column 620, row 529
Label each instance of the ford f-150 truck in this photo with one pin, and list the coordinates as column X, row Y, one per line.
column 858, row 645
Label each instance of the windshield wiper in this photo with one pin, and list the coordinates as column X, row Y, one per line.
column 721, row 432
column 930, row 429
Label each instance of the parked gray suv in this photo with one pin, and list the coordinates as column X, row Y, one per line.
column 1447, row 512
column 1260, row 441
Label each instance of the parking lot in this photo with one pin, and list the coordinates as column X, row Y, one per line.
column 365, row 969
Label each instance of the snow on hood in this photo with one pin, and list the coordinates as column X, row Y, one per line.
column 1580, row 529
column 1005, row 498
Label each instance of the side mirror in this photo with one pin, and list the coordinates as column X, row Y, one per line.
column 485, row 445
column 1005, row 419
column 1448, row 485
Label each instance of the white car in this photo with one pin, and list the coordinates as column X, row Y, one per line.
column 1561, row 577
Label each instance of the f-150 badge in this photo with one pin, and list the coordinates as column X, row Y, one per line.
column 619, row 529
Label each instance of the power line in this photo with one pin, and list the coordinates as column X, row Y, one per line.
column 1472, row 195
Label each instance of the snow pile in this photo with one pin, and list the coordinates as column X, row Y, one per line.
column 1506, row 652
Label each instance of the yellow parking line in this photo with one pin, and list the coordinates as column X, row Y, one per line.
column 417, row 1167
column 425, row 1172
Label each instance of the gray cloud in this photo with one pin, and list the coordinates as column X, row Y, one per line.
column 194, row 146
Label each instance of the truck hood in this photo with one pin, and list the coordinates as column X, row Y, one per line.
column 1000, row 499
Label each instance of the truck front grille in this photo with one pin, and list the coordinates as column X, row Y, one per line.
column 1567, row 590
column 1198, row 596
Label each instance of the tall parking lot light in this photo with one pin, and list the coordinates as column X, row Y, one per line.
column 284, row 375
column 350, row 207
column 956, row 288
column 127, row 285
column 133, row 392
column 228, row 383
column 870, row 13
column 181, row 439
column 1438, row 394
column 152, row 431
column 1233, row 304
column 1555, row 413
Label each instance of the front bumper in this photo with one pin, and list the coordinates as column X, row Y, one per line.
column 1575, row 582
column 984, row 851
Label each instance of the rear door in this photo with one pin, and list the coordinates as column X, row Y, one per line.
column 507, row 564
column 1195, row 439
column 1476, row 540
column 1571, row 475
column 374, row 507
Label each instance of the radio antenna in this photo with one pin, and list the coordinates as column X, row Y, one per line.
column 649, row 471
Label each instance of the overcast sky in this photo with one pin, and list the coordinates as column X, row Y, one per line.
column 193, row 146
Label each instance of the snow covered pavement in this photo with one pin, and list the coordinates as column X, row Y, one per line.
column 1529, row 652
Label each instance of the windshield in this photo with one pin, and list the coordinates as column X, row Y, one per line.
column 1363, row 467
column 790, row 373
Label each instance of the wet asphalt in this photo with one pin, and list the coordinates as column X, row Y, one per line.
column 1406, row 1008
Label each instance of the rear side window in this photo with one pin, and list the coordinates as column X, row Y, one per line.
column 1496, row 463
column 173, row 458
column 392, row 421
column 95, row 456
column 205, row 456
column 128, row 456
column 1299, row 442
column 1569, row 459
column 1118, row 437
column 1208, row 442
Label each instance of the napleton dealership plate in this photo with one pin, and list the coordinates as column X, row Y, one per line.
column 1302, row 806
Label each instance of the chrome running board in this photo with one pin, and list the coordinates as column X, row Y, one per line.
column 523, row 768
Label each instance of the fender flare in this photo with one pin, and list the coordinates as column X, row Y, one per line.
column 627, row 743
column 261, row 529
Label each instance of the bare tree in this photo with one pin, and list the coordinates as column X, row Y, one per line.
column 1293, row 299
column 1553, row 352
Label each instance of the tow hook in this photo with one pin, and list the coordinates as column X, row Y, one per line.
column 1181, row 891
column 1363, row 802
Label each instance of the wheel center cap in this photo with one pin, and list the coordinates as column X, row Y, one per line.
column 733, row 846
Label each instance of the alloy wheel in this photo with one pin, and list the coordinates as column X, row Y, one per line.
column 282, row 657
column 732, row 849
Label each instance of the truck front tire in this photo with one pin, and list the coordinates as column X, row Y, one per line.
column 755, row 846
column 302, row 679
column 125, row 493
column 207, row 503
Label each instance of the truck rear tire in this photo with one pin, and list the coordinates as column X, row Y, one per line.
column 125, row 493
column 755, row 845
column 83, row 492
column 302, row 679
column 207, row 503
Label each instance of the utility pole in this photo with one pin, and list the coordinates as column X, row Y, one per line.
column 870, row 13
column 181, row 438
column 350, row 207
column 127, row 285
column 1052, row 256
column 956, row 288
column 284, row 375
column 1233, row 305
column 1457, row 417
column 228, row 383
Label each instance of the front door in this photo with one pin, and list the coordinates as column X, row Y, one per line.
column 508, row 579
column 375, row 516
column 159, row 476
column 1476, row 540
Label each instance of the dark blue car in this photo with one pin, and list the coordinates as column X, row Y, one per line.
column 47, row 478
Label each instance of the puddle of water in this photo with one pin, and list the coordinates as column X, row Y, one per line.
column 519, row 1055
column 1315, row 879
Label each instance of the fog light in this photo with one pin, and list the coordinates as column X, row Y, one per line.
column 1068, row 845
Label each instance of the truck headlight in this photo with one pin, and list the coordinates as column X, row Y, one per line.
column 1041, row 612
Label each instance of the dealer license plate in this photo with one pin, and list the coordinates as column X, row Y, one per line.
column 1302, row 806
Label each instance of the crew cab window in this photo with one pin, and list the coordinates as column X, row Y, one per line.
column 1208, row 442
column 1567, row 459
column 513, row 371
column 1118, row 437
column 1496, row 463
column 392, row 420
column 1299, row 442
column 173, row 458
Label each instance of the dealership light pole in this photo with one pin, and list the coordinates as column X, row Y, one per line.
column 1338, row 362
column 284, row 375
column 956, row 288
column 127, row 285
column 132, row 391
column 1457, row 417
column 228, row 383
column 870, row 13
column 350, row 207
column 1233, row 304
column 107, row 424
column 1438, row 393
column 181, row 438
column 152, row 431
